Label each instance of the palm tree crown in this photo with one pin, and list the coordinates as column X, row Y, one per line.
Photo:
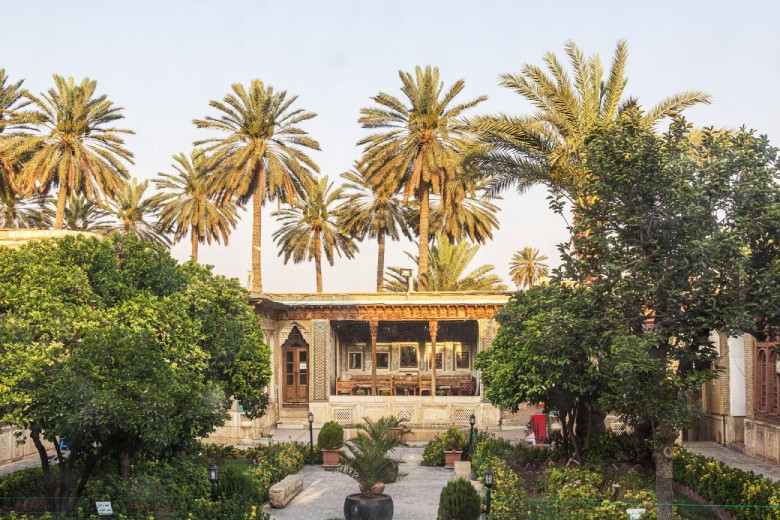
column 138, row 215
column 309, row 228
column 419, row 150
column 547, row 147
column 188, row 202
column 261, row 154
column 371, row 211
column 78, row 149
column 12, row 100
column 82, row 214
column 528, row 268
column 448, row 270
column 18, row 212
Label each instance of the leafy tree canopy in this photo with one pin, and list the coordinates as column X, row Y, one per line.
column 113, row 346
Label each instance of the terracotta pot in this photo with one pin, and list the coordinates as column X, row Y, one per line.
column 358, row 508
column 330, row 458
column 450, row 457
column 397, row 432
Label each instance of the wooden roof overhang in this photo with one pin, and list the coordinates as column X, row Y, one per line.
column 461, row 306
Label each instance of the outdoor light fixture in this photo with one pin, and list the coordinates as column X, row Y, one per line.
column 311, row 438
column 488, row 485
column 213, row 477
column 472, row 421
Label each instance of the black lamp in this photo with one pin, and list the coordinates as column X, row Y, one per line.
column 472, row 422
column 488, row 485
column 213, row 477
column 311, row 438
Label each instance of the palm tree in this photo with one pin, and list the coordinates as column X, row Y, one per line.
column 419, row 151
column 78, row 150
column 548, row 146
column 467, row 213
column 82, row 214
column 261, row 157
column 528, row 268
column 12, row 100
column 309, row 228
column 188, row 203
column 136, row 213
column 17, row 212
column 448, row 270
column 372, row 211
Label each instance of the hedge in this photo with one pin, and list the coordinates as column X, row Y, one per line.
column 723, row 485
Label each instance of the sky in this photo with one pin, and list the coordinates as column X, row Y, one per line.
column 164, row 60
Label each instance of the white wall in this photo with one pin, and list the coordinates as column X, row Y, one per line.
column 737, row 376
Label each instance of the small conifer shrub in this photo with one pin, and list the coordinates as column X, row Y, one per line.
column 459, row 501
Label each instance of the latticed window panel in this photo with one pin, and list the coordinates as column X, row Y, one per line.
column 461, row 415
column 343, row 415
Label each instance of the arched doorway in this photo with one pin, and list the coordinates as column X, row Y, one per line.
column 295, row 369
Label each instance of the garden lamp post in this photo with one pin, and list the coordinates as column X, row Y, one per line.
column 213, row 477
column 407, row 274
column 472, row 421
column 311, row 438
column 488, row 485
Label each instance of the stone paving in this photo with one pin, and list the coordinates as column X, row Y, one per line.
column 415, row 496
column 29, row 462
column 734, row 458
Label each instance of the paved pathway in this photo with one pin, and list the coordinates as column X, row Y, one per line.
column 11, row 467
column 734, row 458
column 415, row 496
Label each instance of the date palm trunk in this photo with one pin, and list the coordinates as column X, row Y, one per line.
column 257, row 228
column 425, row 216
column 318, row 262
column 380, row 262
column 195, row 241
column 62, row 196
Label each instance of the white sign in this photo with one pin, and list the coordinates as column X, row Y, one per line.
column 634, row 514
column 302, row 365
column 104, row 508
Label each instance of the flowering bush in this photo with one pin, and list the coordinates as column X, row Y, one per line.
column 277, row 462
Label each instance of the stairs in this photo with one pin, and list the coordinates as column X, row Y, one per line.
column 293, row 418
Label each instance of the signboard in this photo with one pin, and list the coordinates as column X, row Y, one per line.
column 634, row 514
column 104, row 508
column 302, row 365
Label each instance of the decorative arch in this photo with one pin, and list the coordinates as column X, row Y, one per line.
column 284, row 334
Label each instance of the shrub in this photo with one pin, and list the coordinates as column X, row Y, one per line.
column 507, row 494
column 236, row 483
column 24, row 483
column 331, row 436
column 433, row 454
column 453, row 440
column 202, row 509
column 280, row 460
column 459, row 501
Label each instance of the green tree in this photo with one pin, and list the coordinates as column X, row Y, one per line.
column 77, row 150
column 449, row 263
column 548, row 147
column 310, row 228
column 115, row 347
column 547, row 350
column 12, row 101
column 663, row 248
column 419, row 151
column 527, row 267
column 262, row 154
column 188, row 203
column 138, row 215
column 371, row 211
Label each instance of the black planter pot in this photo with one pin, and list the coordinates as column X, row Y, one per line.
column 358, row 508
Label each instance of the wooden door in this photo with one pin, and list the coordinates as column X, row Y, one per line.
column 296, row 375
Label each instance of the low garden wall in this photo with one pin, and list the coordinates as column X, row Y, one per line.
column 10, row 449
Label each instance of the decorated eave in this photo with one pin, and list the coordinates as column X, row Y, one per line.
column 412, row 306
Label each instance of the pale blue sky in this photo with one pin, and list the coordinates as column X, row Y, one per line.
column 163, row 61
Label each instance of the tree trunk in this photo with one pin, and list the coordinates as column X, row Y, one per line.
column 318, row 262
column 664, row 471
column 62, row 196
column 380, row 262
column 195, row 240
column 257, row 227
column 48, row 485
column 425, row 216
column 124, row 465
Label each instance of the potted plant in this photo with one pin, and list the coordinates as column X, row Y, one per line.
column 396, row 427
column 367, row 462
column 453, row 440
column 330, row 440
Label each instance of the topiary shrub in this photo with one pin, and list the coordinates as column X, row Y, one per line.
column 459, row 501
column 331, row 436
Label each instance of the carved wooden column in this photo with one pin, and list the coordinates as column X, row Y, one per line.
column 433, row 327
column 373, row 327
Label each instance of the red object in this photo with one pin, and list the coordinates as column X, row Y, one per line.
column 539, row 426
